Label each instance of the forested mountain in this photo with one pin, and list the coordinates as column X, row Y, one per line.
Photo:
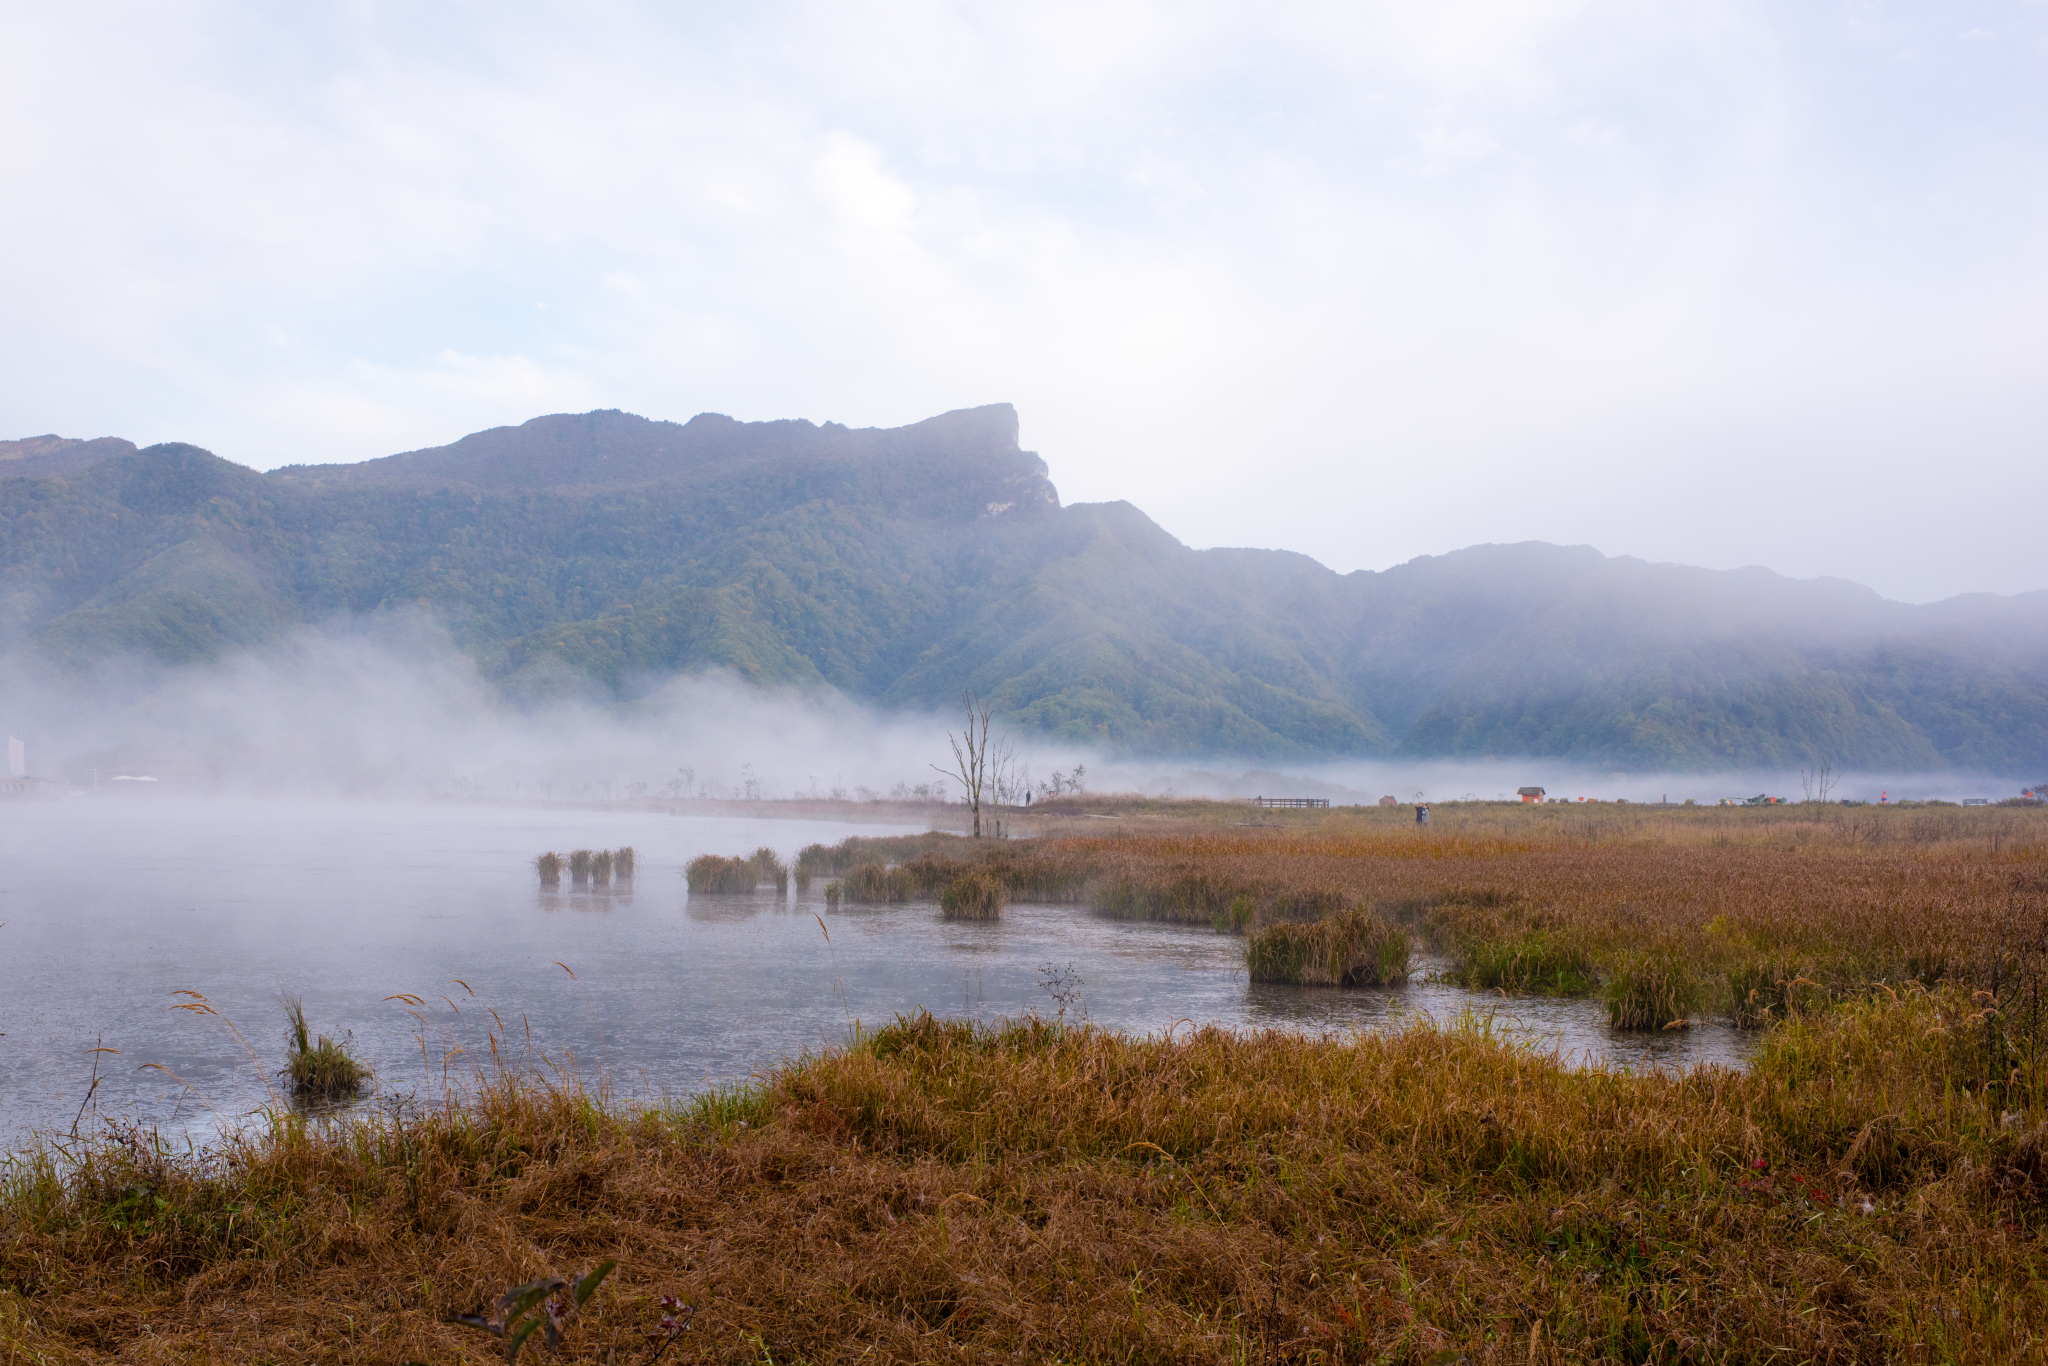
column 901, row 565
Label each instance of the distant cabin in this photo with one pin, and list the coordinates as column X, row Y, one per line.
column 1529, row 794
column 1390, row 801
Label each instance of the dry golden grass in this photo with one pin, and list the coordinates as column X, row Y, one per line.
column 941, row 1191
column 1671, row 913
column 1872, row 1189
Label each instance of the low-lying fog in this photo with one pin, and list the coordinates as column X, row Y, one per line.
column 391, row 710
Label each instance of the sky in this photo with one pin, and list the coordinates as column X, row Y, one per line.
column 1714, row 283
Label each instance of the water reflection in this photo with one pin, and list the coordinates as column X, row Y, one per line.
column 597, row 899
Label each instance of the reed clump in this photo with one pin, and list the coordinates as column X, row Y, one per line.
column 974, row 896
column 549, row 866
column 320, row 1070
column 1654, row 989
column 872, row 884
column 1540, row 962
column 710, row 873
column 587, row 867
column 1348, row 949
column 1771, row 991
column 769, row 867
column 1870, row 1189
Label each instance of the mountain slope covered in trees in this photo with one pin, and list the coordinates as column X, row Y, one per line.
column 604, row 551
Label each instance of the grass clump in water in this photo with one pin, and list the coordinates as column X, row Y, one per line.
column 622, row 863
column 579, row 867
column 1350, row 949
column 710, row 873
column 549, row 866
column 1539, row 961
column 601, row 868
column 872, row 884
column 769, row 865
column 321, row 1070
column 974, row 896
column 1657, row 989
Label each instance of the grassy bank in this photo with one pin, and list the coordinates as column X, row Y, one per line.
column 1669, row 914
column 1870, row 1190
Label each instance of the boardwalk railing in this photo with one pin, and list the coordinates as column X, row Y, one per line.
column 1313, row 803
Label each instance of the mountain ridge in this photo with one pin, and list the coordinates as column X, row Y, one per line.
column 899, row 565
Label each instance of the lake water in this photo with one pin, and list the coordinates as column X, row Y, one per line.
column 110, row 906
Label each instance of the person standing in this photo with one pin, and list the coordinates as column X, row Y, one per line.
column 1422, row 813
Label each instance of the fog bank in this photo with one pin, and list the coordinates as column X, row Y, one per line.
column 387, row 708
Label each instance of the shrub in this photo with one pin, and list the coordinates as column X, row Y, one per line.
column 1350, row 949
column 974, row 896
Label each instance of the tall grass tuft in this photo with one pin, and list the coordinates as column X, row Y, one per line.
column 710, row 873
column 622, row 863
column 771, row 868
column 579, row 868
column 835, row 891
column 1768, row 992
column 974, row 896
column 549, row 866
column 321, row 1071
column 601, row 868
column 873, row 884
column 1349, row 949
column 1656, row 989
column 1541, row 961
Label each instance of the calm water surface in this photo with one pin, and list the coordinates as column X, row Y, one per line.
column 108, row 907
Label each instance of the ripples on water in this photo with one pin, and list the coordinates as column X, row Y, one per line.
column 110, row 906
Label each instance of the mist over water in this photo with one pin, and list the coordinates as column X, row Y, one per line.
column 112, row 908
column 387, row 707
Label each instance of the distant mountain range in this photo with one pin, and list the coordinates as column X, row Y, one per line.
column 607, row 550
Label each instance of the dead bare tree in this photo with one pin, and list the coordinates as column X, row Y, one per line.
column 981, row 761
column 1818, row 782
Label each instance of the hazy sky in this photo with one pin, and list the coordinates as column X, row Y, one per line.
column 1720, row 283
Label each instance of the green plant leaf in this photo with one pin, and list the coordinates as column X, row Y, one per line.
column 519, row 1338
column 520, row 1298
column 588, row 1285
